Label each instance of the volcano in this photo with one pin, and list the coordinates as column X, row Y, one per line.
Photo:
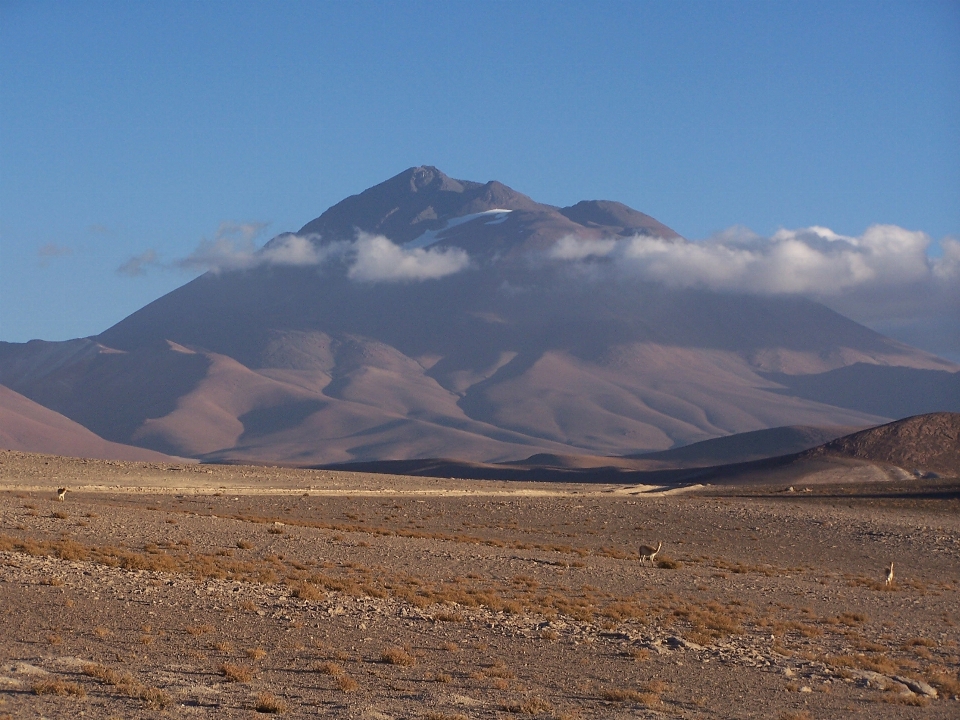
column 434, row 317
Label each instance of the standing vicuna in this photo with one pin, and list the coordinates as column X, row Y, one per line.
column 889, row 580
column 61, row 494
column 649, row 552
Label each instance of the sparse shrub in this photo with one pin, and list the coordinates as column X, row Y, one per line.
column 630, row 695
column 121, row 680
column 532, row 705
column 347, row 683
column 155, row 697
column 52, row 686
column 255, row 654
column 245, row 545
column 330, row 668
column 397, row 656
column 201, row 629
column 236, row 673
column 307, row 591
column 896, row 698
column 267, row 703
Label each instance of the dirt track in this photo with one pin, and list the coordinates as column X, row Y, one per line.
column 215, row 589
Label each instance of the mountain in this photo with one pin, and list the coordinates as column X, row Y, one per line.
column 923, row 446
column 28, row 427
column 745, row 447
column 433, row 317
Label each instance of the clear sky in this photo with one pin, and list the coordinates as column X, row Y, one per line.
column 132, row 128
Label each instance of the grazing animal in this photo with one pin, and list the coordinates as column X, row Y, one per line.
column 61, row 494
column 649, row 552
column 890, row 574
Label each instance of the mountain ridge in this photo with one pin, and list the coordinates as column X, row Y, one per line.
column 507, row 352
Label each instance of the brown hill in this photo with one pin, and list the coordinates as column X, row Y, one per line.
column 28, row 427
column 922, row 443
column 917, row 445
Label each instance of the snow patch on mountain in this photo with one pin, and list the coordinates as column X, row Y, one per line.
column 497, row 216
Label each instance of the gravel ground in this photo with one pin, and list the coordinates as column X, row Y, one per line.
column 168, row 591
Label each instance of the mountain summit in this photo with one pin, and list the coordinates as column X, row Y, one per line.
column 423, row 200
column 434, row 317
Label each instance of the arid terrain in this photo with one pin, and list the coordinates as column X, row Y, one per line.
column 159, row 590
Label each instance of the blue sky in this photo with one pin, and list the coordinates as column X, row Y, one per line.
column 128, row 128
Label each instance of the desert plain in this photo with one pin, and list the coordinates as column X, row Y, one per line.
column 162, row 590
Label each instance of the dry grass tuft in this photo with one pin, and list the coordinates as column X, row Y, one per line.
column 946, row 682
column 397, row 656
column 267, row 703
column 154, row 697
column 121, row 680
column 50, row 686
column 330, row 668
column 644, row 697
column 893, row 697
column 255, row 654
column 202, row 629
column 531, row 705
column 347, row 683
column 307, row 591
column 236, row 673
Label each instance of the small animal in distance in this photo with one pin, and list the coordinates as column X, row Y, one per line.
column 648, row 552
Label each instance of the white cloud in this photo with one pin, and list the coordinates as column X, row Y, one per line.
column 947, row 268
column 50, row 251
column 574, row 248
column 369, row 258
column 815, row 260
column 231, row 249
column 137, row 265
column 888, row 278
column 379, row 260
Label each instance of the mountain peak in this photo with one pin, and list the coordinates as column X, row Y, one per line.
column 412, row 202
column 427, row 177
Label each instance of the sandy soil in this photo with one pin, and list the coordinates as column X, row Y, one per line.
column 185, row 590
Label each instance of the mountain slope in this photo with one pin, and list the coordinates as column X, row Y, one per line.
column 28, row 427
column 487, row 345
